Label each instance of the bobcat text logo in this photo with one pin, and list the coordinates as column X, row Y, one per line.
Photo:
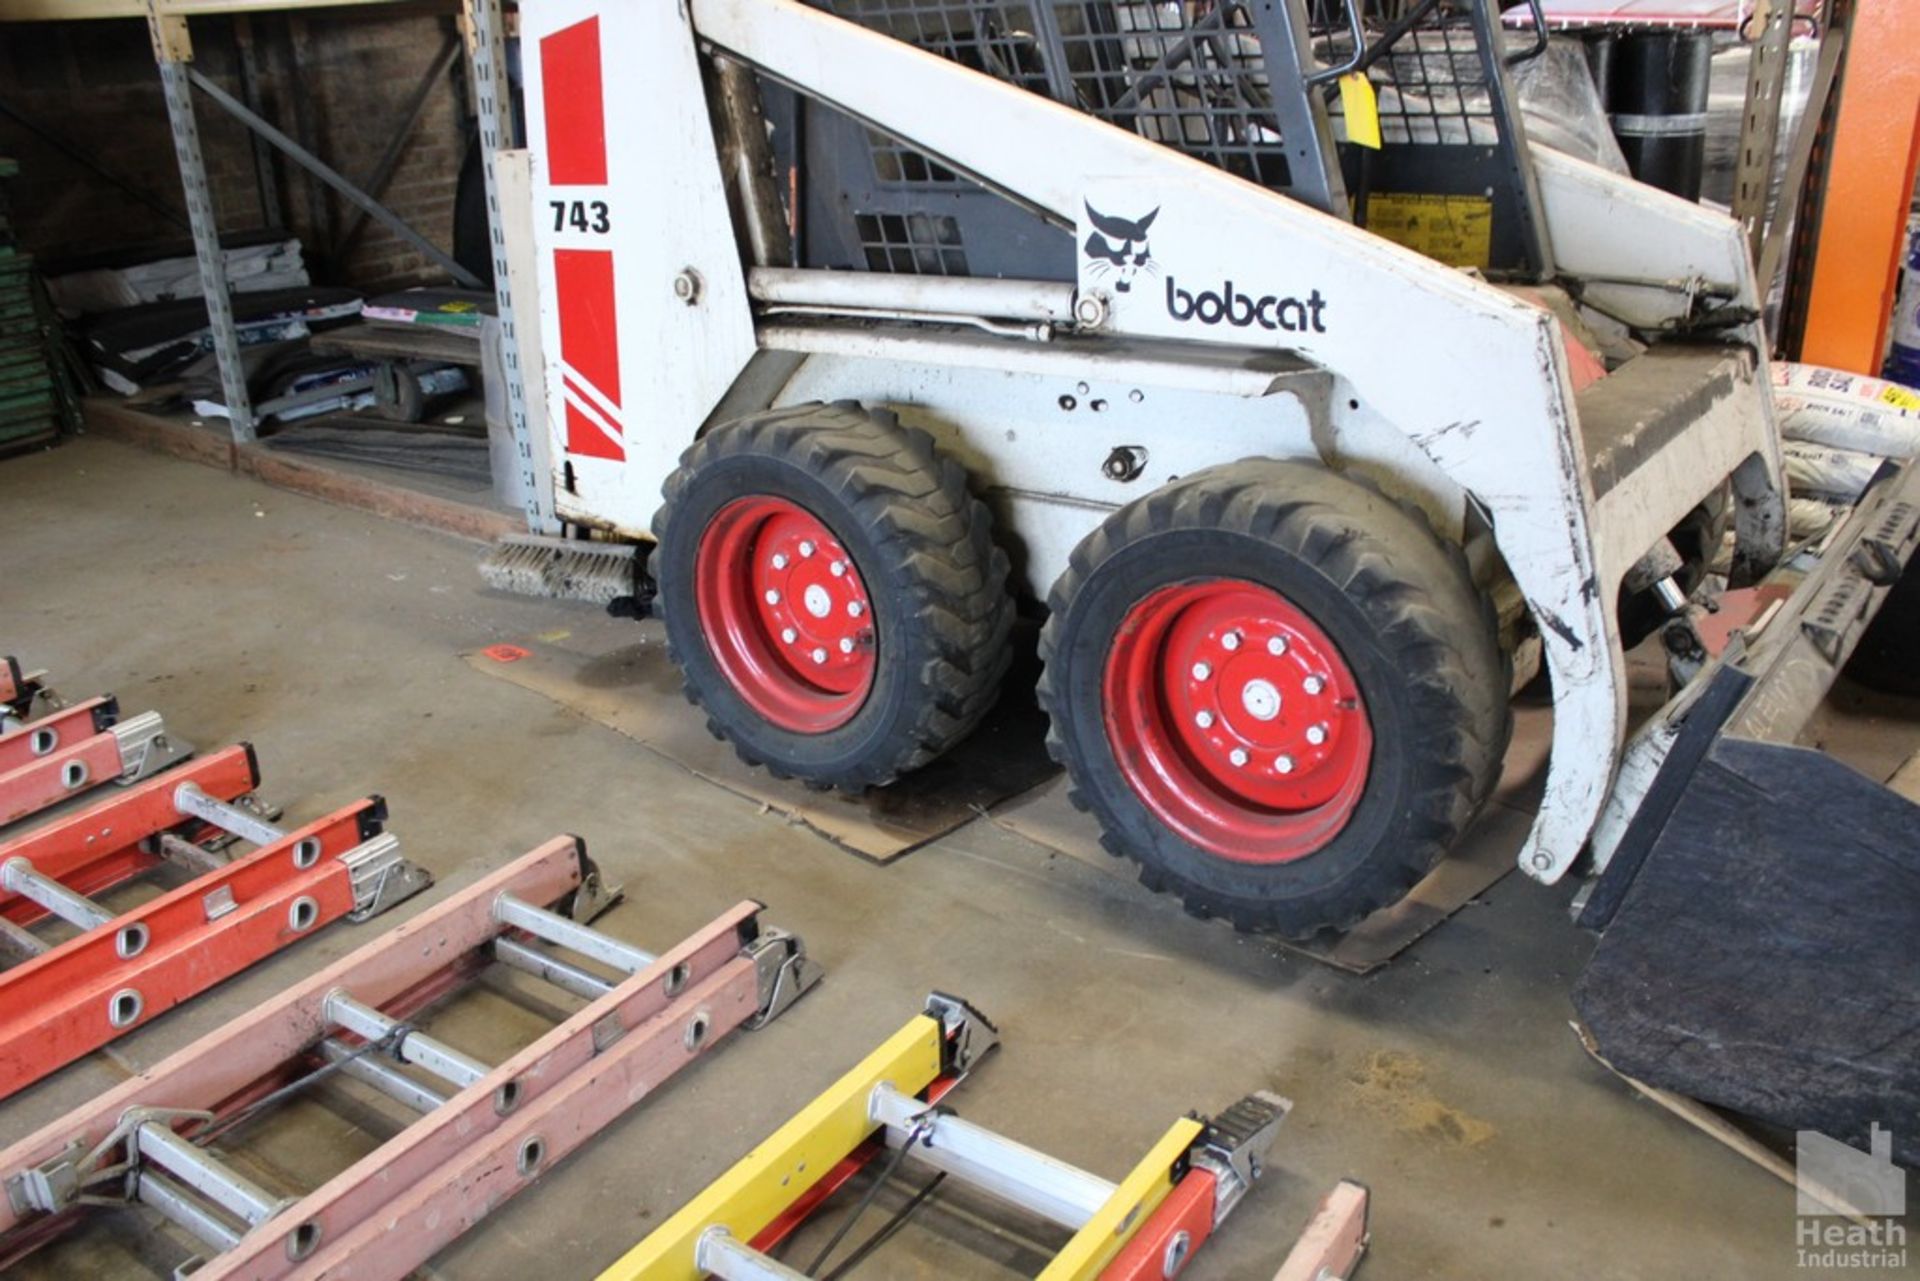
column 1117, row 247
column 1293, row 315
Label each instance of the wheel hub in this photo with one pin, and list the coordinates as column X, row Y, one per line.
column 1237, row 720
column 1260, row 698
column 785, row 613
column 1267, row 724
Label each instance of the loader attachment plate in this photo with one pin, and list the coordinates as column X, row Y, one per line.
column 1760, row 911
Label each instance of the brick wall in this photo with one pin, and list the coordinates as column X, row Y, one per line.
column 349, row 72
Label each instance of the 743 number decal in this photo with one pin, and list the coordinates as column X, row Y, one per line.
column 581, row 215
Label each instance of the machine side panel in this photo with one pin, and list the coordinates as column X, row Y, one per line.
column 643, row 301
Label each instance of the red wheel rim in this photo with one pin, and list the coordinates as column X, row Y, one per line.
column 1236, row 720
column 785, row 614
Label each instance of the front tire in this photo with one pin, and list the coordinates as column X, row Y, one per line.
column 832, row 594
column 1278, row 692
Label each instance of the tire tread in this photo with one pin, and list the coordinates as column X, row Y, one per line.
column 937, row 541
column 1420, row 597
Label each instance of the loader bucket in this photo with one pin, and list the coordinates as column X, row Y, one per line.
column 1759, row 916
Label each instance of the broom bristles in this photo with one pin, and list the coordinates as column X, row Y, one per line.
column 562, row 568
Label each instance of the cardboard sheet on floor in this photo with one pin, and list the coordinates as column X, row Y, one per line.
column 1485, row 854
column 635, row 690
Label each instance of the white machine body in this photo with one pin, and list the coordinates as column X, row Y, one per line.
column 1247, row 325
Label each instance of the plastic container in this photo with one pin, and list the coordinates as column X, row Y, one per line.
column 1903, row 361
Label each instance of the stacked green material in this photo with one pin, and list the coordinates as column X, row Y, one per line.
column 34, row 403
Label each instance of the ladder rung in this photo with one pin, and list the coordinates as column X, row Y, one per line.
column 78, row 910
column 19, row 943
column 178, row 1206
column 416, row 1048
column 187, row 855
column 575, row 937
column 390, row 1081
column 205, row 1174
column 190, row 800
column 725, row 1256
column 562, row 974
column 1012, row 1171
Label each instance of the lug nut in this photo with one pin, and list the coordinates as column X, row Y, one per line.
column 1313, row 684
column 1277, row 646
column 788, row 635
column 1316, row 734
column 779, row 560
column 855, row 609
column 846, row 644
column 773, row 597
column 1284, row 764
column 1201, row 671
column 1238, row 756
column 839, row 568
column 819, row 655
column 1230, row 642
column 1204, row 719
column 806, row 549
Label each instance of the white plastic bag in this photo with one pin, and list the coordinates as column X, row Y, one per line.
column 1560, row 103
column 1809, row 518
column 1820, row 471
column 1846, row 411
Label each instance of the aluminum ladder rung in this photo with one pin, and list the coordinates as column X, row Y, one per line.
column 390, row 1081
column 18, row 943
column 18, row 876
column 181, row 1208
column 412, row 1047
column 563, row 974
column 191, row 801
column 1012, row 1171
column 723, row 1255
column 571, row 935
column 212, row 1178
column 188, row 856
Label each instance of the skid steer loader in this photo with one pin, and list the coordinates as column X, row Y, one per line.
column 874, row 315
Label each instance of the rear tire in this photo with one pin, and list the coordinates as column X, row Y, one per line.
column 1312, row 768
column 832, row 594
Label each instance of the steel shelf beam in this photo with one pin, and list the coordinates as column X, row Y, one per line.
column 167, row 20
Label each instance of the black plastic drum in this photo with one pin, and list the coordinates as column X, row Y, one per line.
column 1657, row 99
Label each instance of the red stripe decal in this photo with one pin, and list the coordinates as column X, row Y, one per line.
column 576, row 111
column 589, row 341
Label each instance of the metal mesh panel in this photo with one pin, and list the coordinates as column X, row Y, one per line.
column 1432, row 83
column 1192, row 76
column 1223, row 81
column 912, row 244
column 1187, row 73
column 896, row 163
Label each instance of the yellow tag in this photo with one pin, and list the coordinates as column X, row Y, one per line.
column 1900, row 397
column 1361, row 108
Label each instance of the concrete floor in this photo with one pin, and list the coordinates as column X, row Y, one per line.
column 1450, row 1082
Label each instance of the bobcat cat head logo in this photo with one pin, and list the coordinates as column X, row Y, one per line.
column 1117, row 247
